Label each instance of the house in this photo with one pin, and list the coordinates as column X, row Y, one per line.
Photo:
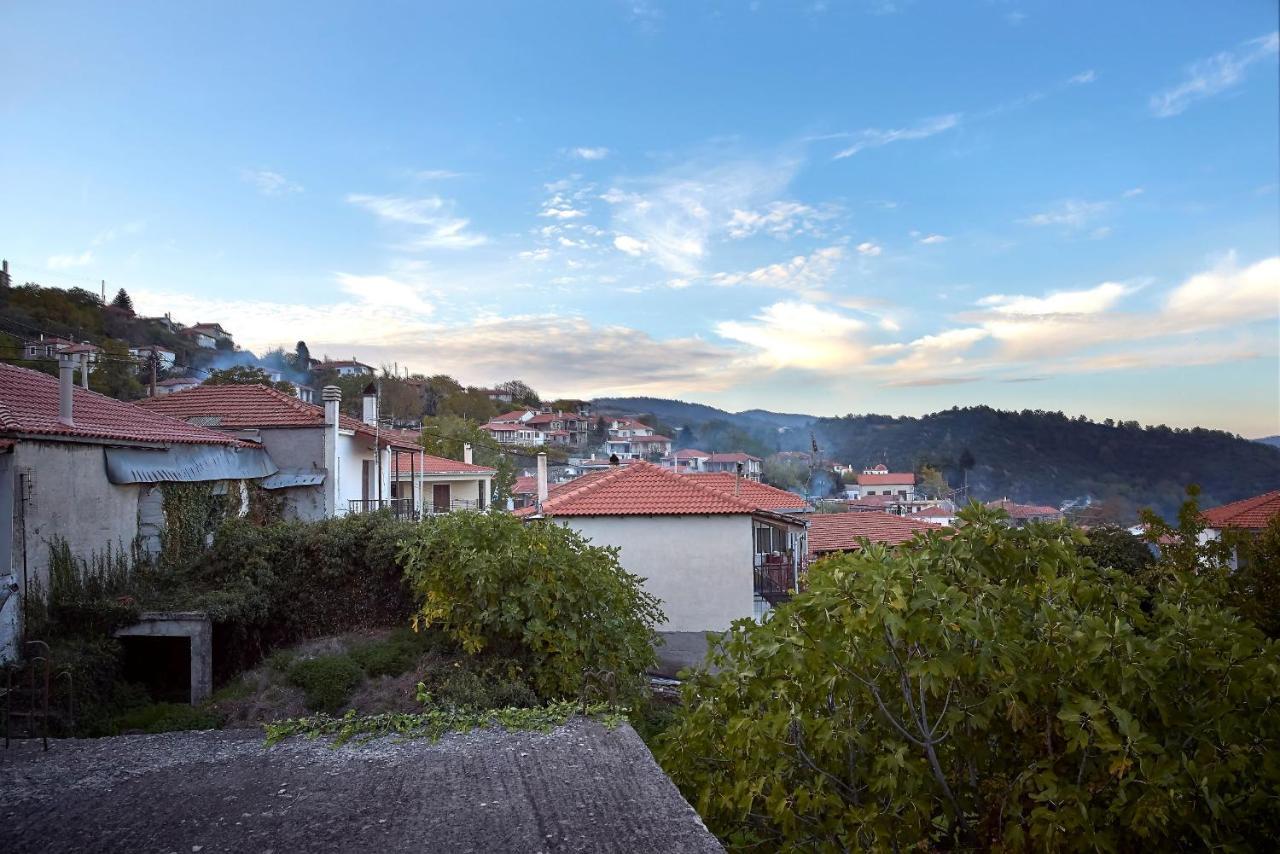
column 533, row 428
column 1248, row 517
column 438, row 484
column 750, row 467
column 710, row 556
column 212, row 330
column 943, row 513
column 330, row 464
column 629, row 439
column 562, row 427
column 173, row 384
column 759, row 494
column 686, row 460
column 345, row 368
column 878, row 480
column 84, row 469
column 200, row 339
column 164, row 358
column 1021, row 514
column 44, row 347
column 831, row 533
column 497, row 395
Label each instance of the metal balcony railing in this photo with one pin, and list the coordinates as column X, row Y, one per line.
column 775, row 577
column 401, row 508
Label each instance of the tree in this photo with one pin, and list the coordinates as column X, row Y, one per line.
column 599, row 431
column 1114, row 547
column 436, row 390
column 784, row 473
column 563, row 610
column 1255, row 585
column 932, row 483
column 988, row 688
column 302, row 356
column 116, row 373
column 472, row 404
column 521, row 393
column 246, row 375
column 446, row 435
column 123, row 301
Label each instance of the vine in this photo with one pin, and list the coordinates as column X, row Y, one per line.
column 434, row 723
column 192, row 512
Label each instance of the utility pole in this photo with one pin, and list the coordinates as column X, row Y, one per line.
column 152, row 360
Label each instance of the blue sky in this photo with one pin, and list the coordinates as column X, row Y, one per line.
column 820, row 207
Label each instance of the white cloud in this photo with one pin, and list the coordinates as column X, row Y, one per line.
column 1227, row 294
column 869, row 249
column 437, row 228
column 1082, row 78
column 561, row 207
column 780, row 219
column 803, row 274
column 1218, row 73
column 799, row 335
column 591, row 153
column 66, row 262
column 1072, row 214
column 437, row 174
column 1133, row 192
column 270, row 183
column 385, row 292
column 1090, row 301
column 875, row 137
column 933, row 239
column 542, row 254
column 630, row 245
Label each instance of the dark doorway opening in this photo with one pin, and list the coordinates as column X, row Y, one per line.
column 161, row 664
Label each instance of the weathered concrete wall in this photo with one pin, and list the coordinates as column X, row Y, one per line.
column 70, row 498
column 182, row 624
column 298, row 448
column 8, row 577
column 699, row 566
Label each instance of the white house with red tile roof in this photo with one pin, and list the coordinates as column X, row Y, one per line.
column 711, row 556
column 439, row 484
column 686, row 460
column 80, row 467
column 345, row 368
column 629, row 439
column 878, row 480
column 1021, row 514
column 331, row 464
column 751, row 467
column 936, row 514
column 1247, row 517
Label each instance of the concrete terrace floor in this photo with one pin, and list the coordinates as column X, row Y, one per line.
column 580, row 787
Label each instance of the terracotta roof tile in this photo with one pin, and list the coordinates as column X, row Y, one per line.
column 29, row 404
column 759, row 494
column 835, row 532
column 641, row 489
column 412, row 462
column 1025, row 511
column 888, row 478
column 1253, row 513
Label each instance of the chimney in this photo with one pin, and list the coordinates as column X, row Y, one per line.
column 332, row 396
column 370, row 413
column 737, row 480
column 466, row 453
column 84, row 369
column 66, row 387
column 542, row 477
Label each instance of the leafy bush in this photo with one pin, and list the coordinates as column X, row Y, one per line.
column 466, row 689
column 327, row 681
column 535, row 592
column 165, row 717
column 394, row 655
column 987, row 689
column 1113, row 547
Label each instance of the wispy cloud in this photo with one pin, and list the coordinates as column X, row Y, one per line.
column 435, row 225
column 1072, row 214
column 436, row 174
column 1218, row 73
column 876, row 137
column 1083, row 78
column 867, row 249
column 781, row 219
column 270, row 183
column 67, row 262
column 799, row 335
column 586, row 153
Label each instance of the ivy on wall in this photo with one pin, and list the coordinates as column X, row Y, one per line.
column 192, row 513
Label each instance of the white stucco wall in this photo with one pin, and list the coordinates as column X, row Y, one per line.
column 699, row 566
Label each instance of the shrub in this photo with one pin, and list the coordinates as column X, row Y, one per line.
column 467, row 689
column 990, row 689
column 165, row 717
column 1113, row 547
column 327, row 681
column 535, row 592
column 394, row 655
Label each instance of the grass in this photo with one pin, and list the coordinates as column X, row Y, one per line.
column 165, row 717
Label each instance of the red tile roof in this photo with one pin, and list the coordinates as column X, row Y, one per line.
column 934, row 512
column 837, row 532
column 641, row 489
column 240, row 407
column 888, row 478
column 525, row 486
column 759, row 494
column 1024, row 511
column 640, row 440
column 513, row 415
column 1253, row 514
column 411, row 461
column 29, row 405
column 689, row 454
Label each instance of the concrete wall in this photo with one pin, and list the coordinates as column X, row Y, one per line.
column 8, row 576
column 699, row 566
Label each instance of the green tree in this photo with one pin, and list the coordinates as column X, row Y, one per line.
column 116, row 372
column 1255, row 585
column 784, row 473
column 302, row 356
column 538, row 593
column 472, row 404
column 932, row 483
column 1115, row 548
column 123, row 301
column 446, row 435
column 986, row 689
column 521, row 393
column 246, row 375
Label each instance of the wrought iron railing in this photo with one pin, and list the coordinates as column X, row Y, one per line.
column 401, row 508
column 775, row 577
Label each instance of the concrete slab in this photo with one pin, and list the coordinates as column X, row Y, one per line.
column 680, row 650
column 580, row 787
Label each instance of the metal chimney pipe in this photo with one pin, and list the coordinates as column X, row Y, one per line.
column 542, row 476
column 66, row 387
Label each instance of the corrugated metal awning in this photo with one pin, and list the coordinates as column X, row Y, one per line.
column 187, row 463
column 286, row 478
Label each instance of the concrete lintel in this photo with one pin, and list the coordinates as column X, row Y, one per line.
column 195, row 625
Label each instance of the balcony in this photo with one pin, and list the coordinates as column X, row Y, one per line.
column 403, row 508
column 775, row 577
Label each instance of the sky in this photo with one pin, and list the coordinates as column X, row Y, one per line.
column 820, row 207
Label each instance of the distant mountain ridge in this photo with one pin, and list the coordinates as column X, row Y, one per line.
column 1030, row 456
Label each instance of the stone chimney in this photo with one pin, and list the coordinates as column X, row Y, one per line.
column 370, row 412
column 467, row 456
column 542, row 477
column 66, row 387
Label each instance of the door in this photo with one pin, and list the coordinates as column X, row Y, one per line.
column 440, row 497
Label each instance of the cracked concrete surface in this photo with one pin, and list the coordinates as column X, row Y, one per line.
column 580, row 787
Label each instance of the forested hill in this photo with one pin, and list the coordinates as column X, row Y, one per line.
column 1048, row 457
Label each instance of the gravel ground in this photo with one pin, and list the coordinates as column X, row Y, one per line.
column 578, row 788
